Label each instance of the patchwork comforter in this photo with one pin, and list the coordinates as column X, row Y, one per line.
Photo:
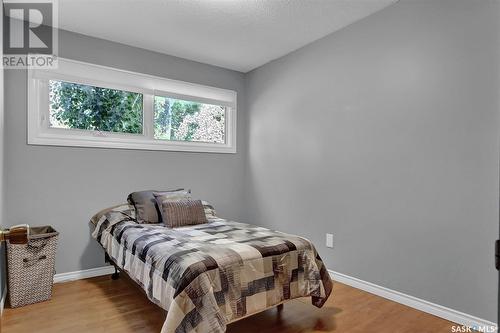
column 208, row 275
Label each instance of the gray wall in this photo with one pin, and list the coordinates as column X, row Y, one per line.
column 386, row 134
column 64, row 186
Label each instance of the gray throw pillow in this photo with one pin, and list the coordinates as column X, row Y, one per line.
column 146, row 208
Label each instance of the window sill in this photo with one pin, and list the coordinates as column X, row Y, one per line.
column 46, row 139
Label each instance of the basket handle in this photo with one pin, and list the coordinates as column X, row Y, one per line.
column 35, row 259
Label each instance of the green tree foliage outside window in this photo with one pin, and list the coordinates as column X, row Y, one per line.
column 79, row 106
column 188, row 121
column 85, row 107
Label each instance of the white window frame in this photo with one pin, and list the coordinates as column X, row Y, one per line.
column 40, row 133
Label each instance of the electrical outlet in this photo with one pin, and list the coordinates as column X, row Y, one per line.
column 329, row 240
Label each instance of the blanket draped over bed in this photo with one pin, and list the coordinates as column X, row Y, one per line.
column 208, row 275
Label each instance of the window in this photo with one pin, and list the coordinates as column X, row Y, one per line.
column 179, row 120
column 80, row 104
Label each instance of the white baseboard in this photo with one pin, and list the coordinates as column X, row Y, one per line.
column 83, row 274
column 414, row 302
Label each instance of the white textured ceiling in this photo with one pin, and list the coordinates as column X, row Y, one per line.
column 235, row 34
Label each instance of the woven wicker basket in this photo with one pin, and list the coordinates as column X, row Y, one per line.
column 31, row 267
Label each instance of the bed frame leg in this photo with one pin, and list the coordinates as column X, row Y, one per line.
column 280, row 307
column 116, row 274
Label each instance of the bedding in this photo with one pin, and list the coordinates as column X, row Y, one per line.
column 206, row 276
column 146, row 206
column 181, row 213
column 127, row 210
column 161, row 197
column 119, row 208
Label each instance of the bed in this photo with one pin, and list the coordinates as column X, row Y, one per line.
column 208, row 275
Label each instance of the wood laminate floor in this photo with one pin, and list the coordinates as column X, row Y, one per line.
column 103, row 305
